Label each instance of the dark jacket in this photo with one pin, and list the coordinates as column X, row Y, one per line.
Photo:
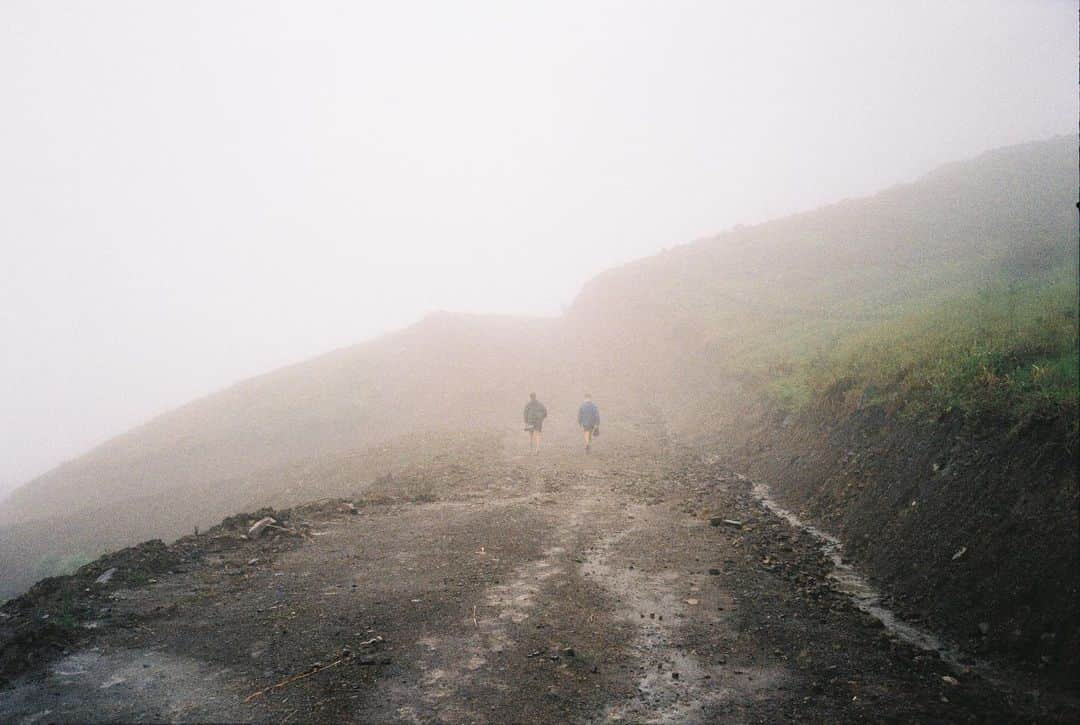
column 588, row 415
column 535, row 412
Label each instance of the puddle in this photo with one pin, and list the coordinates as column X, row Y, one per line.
column 124, row 686
column 849, row 581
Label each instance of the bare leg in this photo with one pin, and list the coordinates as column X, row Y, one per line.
column 588, row 439
column 539, row 440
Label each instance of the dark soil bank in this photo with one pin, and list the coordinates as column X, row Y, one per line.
column 970, row 527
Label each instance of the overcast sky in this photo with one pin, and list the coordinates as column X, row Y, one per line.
column 195, row 192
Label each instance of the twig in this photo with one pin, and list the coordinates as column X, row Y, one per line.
column 289, row 680
column 294, row 678
column 474, row 616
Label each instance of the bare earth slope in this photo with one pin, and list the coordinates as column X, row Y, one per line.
column 499, row 588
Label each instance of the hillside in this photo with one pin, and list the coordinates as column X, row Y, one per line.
column 749, row 304
column 698, row 333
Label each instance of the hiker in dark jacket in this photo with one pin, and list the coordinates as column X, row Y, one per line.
column 535, row 412
column 588, row 417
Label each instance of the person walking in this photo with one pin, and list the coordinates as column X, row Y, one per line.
column 588, row 417
column 535, row 412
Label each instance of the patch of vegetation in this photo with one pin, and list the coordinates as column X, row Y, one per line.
column 1009, row 350
column 64, row 614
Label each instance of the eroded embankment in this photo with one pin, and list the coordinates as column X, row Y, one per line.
column 970, row 528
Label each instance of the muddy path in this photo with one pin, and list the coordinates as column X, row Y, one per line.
column 513, row 588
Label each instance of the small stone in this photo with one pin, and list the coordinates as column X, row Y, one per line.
column 259, row 526
column 106, row 576
column 950, row 680
column 984, row 628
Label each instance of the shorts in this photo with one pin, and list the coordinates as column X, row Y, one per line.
column 536, row 427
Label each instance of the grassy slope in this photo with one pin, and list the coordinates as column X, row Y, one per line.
column 729, row 316
column 1009, row 351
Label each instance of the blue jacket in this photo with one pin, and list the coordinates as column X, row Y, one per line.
column 588, row 415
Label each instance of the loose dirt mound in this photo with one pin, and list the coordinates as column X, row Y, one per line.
column 59, row 613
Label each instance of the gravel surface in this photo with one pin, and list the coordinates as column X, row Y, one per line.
column 640, row 584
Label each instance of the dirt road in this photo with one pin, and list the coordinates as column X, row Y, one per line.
column 510, row 588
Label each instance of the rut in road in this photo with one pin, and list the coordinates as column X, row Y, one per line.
column 594, row 534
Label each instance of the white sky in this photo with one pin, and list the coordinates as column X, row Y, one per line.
column 195, row 192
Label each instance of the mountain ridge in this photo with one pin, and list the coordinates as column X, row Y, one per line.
column 693, row 331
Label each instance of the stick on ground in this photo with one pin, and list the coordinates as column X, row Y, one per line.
column 294, row 678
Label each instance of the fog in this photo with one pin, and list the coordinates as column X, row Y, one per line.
column 196, row 192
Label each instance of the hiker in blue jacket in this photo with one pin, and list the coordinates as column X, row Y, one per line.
column 588, row 417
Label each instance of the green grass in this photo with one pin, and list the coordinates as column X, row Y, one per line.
column 1010, row 350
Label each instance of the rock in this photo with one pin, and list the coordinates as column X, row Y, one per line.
column 569, row 652
column 259, row 526
column 960, row 553
column 714, row 572
column 106, row 576
column 253, row 562
column 949, row 680
column 984, row 628
column 720, row 520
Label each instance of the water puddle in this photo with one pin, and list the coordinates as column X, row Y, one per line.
column 849, row 581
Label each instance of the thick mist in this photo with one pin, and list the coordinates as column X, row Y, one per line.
column 199, row 192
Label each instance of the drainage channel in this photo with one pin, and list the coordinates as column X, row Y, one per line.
column 849, row 581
